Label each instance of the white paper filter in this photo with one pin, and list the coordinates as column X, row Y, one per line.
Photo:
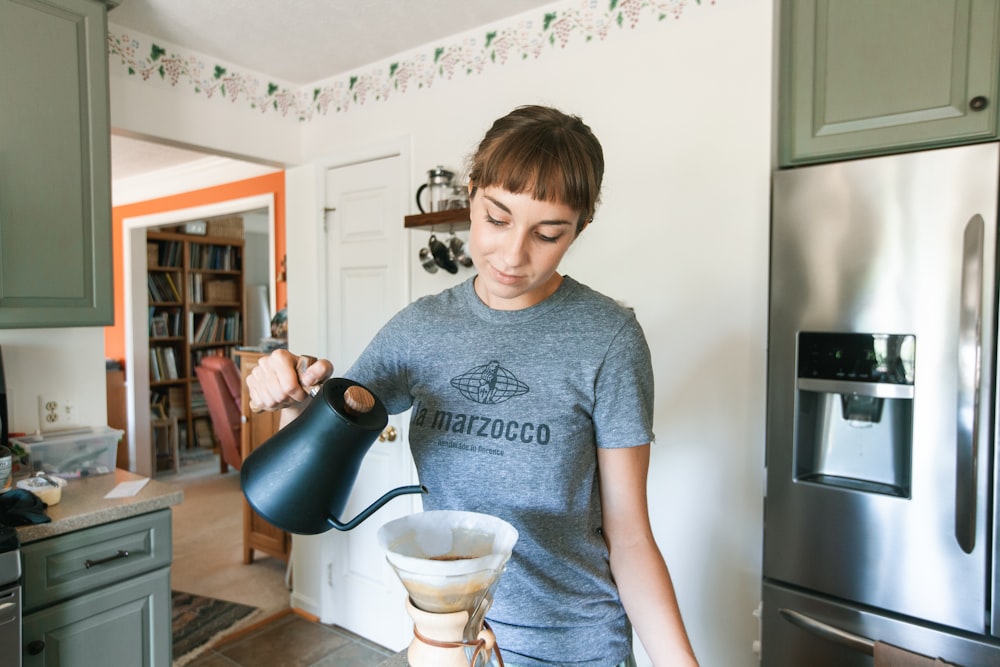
column 447, row 559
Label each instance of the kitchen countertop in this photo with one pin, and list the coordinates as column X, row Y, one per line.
column 83, row 504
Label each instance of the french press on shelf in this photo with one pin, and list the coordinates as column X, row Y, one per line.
column 439, row 190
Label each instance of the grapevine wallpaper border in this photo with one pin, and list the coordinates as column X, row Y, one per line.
column 522, row 39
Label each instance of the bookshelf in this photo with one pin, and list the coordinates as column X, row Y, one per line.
column 196, row 308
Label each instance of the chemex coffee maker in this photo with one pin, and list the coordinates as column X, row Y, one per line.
column 450, row 563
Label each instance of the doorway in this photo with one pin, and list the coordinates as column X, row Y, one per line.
column 136, row 305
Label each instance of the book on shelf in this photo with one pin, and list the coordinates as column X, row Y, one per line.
column 215, row 257
column 217, row 328
column 170, row 253
column 154, row 366
column 171, row 363
column 153, row 287
column 196, row 291
column 174, row 323
column 173, row 287
column 198, row 402
column 161, row 287
column 163, row 364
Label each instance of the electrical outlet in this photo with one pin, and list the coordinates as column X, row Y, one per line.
column 57, row 413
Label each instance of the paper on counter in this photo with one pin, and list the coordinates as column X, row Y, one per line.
column 127, row 489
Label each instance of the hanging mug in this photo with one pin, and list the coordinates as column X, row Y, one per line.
column 442, row 255
column 459, row 250
column 427, row 260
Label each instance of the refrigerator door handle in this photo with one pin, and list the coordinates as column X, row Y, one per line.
column 829, row 632
column 969, row 357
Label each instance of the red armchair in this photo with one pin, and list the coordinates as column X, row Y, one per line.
column 220, row 381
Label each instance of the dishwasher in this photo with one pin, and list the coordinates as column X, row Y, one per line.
column 10, row 597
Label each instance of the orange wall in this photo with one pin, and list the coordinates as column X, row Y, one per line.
column 114, row 336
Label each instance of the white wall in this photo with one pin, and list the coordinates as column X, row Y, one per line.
column 64, row 362
column 683, row 111
column 683, row 108
column 176, row 116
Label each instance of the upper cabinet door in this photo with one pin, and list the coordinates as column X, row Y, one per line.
column 55, row 165
column 863, row 77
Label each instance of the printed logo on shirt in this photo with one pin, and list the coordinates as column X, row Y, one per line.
column 489, row 384
column 481, row 426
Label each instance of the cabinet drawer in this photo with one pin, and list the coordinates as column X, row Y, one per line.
column 69, row 565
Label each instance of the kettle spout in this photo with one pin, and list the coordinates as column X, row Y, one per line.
column 375, row 506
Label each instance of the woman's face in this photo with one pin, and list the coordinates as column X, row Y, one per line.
column 516, row 243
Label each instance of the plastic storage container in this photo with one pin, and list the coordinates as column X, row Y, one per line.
column 80, row 453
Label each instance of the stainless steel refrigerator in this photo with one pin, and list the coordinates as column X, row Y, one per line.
column 880, row 521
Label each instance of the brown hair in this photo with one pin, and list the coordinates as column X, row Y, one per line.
column 543, row 152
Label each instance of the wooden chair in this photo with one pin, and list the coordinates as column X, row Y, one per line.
column 220, row 381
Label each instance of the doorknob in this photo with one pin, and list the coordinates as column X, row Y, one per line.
column 388, row 434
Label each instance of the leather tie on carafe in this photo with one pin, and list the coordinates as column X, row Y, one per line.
column 482, row 645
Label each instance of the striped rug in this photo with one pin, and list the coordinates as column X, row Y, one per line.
column 200, row 621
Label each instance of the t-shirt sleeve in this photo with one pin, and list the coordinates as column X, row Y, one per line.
column 623, row 406
column 382, row 368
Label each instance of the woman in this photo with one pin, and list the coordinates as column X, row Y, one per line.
column 532, row 400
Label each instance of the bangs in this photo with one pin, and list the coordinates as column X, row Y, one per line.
column 542, row 164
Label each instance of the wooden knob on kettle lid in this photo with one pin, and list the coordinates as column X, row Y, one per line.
column 358, row 400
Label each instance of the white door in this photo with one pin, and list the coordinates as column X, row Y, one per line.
column 365, row 286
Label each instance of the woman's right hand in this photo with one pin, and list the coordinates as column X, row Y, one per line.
column 282, row 380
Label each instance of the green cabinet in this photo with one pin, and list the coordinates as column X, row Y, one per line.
column 55, row 164
column 100, row 596
column 123, row 624
column 865, row 77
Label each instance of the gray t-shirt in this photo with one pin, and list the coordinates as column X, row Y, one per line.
column 509, row 408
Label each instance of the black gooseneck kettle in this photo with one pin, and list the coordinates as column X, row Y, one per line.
column 300, row 479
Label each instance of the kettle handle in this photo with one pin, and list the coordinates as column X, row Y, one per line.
column 371, row 509
column 419, row 190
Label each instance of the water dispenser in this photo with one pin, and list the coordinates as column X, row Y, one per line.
column 854, row 416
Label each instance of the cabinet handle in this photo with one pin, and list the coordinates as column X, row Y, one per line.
column 91, row 563
column 36, row 647
column 979, row 102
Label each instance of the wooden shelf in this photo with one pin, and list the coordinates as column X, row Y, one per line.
column 442, row 221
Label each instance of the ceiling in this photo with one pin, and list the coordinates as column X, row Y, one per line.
column 297, row 41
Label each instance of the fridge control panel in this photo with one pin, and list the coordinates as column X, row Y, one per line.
column 857, row 357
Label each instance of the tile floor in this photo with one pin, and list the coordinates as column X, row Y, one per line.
column 293, row 641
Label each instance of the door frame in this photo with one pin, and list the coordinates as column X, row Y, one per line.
column 136, row 309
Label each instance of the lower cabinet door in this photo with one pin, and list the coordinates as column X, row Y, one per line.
column 128, row 623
